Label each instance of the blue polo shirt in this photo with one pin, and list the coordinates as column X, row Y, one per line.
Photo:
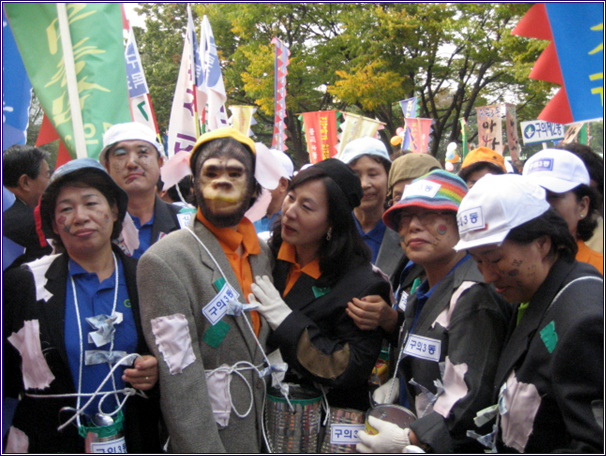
column 266, row 223
column 93, row 299
column 373, row 238
column 145, row 235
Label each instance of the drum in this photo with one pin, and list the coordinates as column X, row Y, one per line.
column 293, row 431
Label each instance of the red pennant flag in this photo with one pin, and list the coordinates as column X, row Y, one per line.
column 47, row 135
column 321, row 134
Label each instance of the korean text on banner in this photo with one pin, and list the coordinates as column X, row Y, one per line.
column 538, row 131
column 98, row 54
column 321, row 134
column 490, row 128
column 140, row 102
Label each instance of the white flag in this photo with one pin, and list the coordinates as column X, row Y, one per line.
column 140, row 103
column 211, row 90
column 182, row 131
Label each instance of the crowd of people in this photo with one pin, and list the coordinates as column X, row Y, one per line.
column 147, row 320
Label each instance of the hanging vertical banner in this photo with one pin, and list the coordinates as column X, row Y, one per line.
column 420, row 130
column 490, row 128
column 182, row 126
column 321, row 134
column 16, row 91
column 511, row 123
column 280, row 71
column 211, row 89
column 409, row 110
column 96, row 46
column 356, row 126
column 464, row 143
column 140, row 102
column 241, row 118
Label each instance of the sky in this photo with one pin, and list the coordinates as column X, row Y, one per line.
column 132, row 16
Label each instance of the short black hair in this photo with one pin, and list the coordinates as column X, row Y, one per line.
column 346, row 246
column 81, row 178
column 551, row 224
column 587, row 225
column 20, row 159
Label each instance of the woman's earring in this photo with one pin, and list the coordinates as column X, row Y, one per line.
column 329, row 234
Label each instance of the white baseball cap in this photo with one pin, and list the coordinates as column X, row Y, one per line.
column 558, row 171
column 363, row 146
column 271, row 165
column 128, row 131
column 494, row 206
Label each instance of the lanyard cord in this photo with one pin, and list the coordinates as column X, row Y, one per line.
column 226, row 281
column 81, row 341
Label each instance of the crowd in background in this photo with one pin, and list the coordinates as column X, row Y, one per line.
column 143, row 319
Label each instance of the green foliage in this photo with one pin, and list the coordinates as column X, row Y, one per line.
column 356, row 57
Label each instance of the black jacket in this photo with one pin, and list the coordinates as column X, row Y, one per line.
column 321, row 343
column 39, row 418
column 553, row 366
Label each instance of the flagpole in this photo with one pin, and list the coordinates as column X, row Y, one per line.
column 72, row 81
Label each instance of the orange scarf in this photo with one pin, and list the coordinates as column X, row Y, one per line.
column 230, row 240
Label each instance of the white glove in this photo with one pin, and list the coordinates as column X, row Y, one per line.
column 273, row 308
column 391, row 438
column 413, row 449
column 387, row 393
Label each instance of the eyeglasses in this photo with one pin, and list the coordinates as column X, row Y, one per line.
column 425, row 218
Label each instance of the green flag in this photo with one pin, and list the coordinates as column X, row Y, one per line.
column 464, row 145
column 98, row 56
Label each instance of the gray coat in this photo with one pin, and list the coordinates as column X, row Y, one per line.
column 176, row 276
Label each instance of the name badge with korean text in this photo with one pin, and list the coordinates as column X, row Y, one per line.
column 423, row 347
column 345, row 434
column 217, row 307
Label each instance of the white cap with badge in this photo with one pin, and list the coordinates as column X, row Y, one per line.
column 494, row 206
column 558, row 171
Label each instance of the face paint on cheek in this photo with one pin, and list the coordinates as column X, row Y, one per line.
column 442, row 229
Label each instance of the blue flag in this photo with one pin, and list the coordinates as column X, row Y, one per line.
column 16, row 91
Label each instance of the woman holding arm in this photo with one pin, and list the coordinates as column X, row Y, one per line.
column 69, row 318
column 321, row 264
